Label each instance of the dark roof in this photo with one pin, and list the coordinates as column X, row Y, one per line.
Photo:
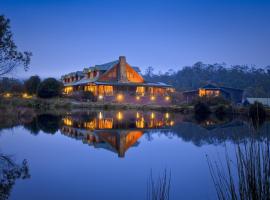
column 158, row 84
column 211, row 86
column 214, row 87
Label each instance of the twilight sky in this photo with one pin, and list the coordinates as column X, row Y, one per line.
column 66, row 36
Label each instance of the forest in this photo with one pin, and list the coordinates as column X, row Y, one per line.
column 255, row 81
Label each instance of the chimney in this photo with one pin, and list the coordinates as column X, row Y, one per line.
column 122, row 71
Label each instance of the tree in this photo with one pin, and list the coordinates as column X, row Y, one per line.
column 32, row 84
column 11, row 85
column 10, row 57
column 50, row 87
column 149, row 72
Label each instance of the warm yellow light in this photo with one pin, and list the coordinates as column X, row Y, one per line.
column 138, row 98
column 153, row 98
column 68, row 89
column 120, row 97
column 167, row 115
column 152, row 115
column 68, row 121
column 137, row 115
column 172, row 123
column 100, row 116
column 100, row 97
column 26, row 96
column 167, row 98
column 7, row 95
column 119, row 115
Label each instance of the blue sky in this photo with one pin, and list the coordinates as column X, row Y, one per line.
column 66, row 36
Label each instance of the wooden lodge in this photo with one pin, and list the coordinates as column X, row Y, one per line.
column 231, row 94
column 117, row 81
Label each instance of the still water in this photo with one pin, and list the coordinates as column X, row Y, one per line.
column 110, row 154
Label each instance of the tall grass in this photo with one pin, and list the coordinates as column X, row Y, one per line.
column 159, row 189
column 248, row 178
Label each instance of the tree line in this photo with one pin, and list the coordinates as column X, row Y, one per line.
column 47, row 88
column 255, row 81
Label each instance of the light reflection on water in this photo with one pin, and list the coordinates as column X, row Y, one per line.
column 109, row 154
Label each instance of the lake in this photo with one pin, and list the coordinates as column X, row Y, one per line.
column 102, row 154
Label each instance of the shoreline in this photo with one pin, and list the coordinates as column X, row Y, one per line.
column 68, row 104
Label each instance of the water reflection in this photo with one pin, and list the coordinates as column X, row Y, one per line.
column 114, row 131
column 118, row 131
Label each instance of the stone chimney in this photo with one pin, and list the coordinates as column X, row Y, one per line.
column 122, row 71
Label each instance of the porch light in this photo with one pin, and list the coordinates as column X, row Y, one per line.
column 100, row 97
column 100, row 116
column 7, row 95
column 120, row 97
column 119, row 116
column 152, row 98
column 26, row 96
column 167, row 98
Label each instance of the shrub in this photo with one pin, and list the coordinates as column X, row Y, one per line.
column 257, row 112
column 201, row 108
column 83, row 96
column 31, row 84
column 212, row 101
column 48, row 88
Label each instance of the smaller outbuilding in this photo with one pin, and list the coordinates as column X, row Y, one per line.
column 232, row 94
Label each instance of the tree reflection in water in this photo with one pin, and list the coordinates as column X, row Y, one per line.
column 9, row 173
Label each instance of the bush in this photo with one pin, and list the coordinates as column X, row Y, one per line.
column 49, row 88
column 257, row 113
column 83, row 96
column 31, row 84
column 201, row 108
column 212, row 101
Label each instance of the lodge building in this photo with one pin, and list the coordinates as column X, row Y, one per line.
column 233, row 95
column 117, row 81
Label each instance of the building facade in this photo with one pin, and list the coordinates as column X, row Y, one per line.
column 232, row 94
column 117, row 81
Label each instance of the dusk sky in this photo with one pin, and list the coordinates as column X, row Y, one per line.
column 66, row 36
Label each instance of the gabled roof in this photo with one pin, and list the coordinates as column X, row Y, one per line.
column 211, row 86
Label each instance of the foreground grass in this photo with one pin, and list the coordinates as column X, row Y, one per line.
column 248, row 178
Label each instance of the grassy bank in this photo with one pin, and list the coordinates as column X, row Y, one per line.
column 68, row 104
column 64, row 103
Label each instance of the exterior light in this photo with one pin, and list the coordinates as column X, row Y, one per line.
column 120, row 97
column 172, row 123
column 167, row 98
column 100, row 116
column 7, row 95
column 152, row 115
column 167, row 115
column 26, row 96
column 68, row 121
column 100, row 97
column 152, row 98
column 119, row 116
column 137, row 115
column 138, row 98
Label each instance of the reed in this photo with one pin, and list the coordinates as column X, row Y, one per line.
column 248, row 178
column 159, row 189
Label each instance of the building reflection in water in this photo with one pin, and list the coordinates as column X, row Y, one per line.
column 114, row 131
